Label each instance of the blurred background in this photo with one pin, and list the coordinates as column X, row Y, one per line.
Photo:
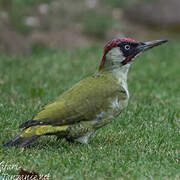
column 30, row 25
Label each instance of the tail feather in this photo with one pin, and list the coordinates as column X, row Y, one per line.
column 32, row 133
column 29, row 141
column 20, row 141
column 13, row 142
column 34, row 123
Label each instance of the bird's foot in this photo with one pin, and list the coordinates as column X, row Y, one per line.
column 82, row 139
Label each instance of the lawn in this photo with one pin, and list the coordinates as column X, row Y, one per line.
column 143, row 143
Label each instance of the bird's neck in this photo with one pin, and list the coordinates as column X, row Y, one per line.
column 120, row 73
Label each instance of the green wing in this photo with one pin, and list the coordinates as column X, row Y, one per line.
column 83, row 101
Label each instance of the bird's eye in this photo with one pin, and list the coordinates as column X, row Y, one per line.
column 127, row 47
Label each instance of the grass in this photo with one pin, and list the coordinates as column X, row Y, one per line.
column 143, row 143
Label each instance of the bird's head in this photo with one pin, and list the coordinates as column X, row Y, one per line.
column 121, row 51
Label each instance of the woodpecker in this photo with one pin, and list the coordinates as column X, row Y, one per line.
column 91, row 103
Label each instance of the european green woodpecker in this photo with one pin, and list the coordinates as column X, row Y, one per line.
column 91, row 103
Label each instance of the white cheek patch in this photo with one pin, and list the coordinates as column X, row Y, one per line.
column 115, row 55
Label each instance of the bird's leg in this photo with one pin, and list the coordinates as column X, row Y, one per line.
column 81, row 131
column 103, row 121
column 96, row 125
column 84, row 139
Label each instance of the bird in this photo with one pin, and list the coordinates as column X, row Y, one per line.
column 90, row 104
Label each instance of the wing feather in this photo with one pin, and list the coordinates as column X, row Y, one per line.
column 83, row 101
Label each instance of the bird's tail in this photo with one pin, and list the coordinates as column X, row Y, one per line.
column 32, row 133
column 21, row 141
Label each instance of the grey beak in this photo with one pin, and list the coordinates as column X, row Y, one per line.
column 150, row 44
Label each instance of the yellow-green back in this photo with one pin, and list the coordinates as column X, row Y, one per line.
column 83, row 101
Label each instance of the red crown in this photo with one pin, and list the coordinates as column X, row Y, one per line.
column 111, row 44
